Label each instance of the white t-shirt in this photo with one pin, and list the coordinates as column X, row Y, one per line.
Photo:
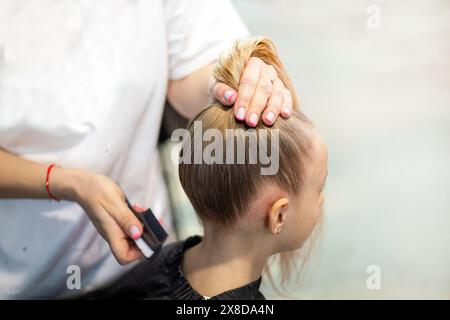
column 83, row 84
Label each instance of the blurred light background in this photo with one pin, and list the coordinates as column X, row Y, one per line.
column 380, row 95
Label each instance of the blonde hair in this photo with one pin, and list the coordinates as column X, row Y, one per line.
column 227, row 190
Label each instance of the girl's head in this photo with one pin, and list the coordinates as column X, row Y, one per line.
column 279, row 210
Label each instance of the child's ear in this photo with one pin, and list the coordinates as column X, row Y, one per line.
column 277, row 215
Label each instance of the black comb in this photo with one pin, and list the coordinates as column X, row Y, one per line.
column 154, row 234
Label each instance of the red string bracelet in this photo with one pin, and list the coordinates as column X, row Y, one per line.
column 47, row 182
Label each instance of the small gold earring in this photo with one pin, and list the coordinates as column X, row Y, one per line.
column 279, row 230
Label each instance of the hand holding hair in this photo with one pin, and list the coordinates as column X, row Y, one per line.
column 260, row 91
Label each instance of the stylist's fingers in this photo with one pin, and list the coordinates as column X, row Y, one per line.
column 286, row 109
column 126, row 219
column 121, row 247
column 259, row 101
column 247, row 86
column 119, row 242
column 104, row 202
column 224, row 93
column 275, row 103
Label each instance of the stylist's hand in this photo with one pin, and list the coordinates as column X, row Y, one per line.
column 260, row 94
column 104, row 202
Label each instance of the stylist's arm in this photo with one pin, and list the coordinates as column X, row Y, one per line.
column 98, row 195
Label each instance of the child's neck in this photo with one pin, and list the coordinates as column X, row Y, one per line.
column 223, row 261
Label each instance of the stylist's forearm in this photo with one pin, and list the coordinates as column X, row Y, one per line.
column 190, row 94
column 22, row 178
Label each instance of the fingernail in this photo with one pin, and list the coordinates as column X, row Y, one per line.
column 135, row 233
column 286, row 111
column 270, row 117
column 253, row 120
column 229, row 94
column 241, row 113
